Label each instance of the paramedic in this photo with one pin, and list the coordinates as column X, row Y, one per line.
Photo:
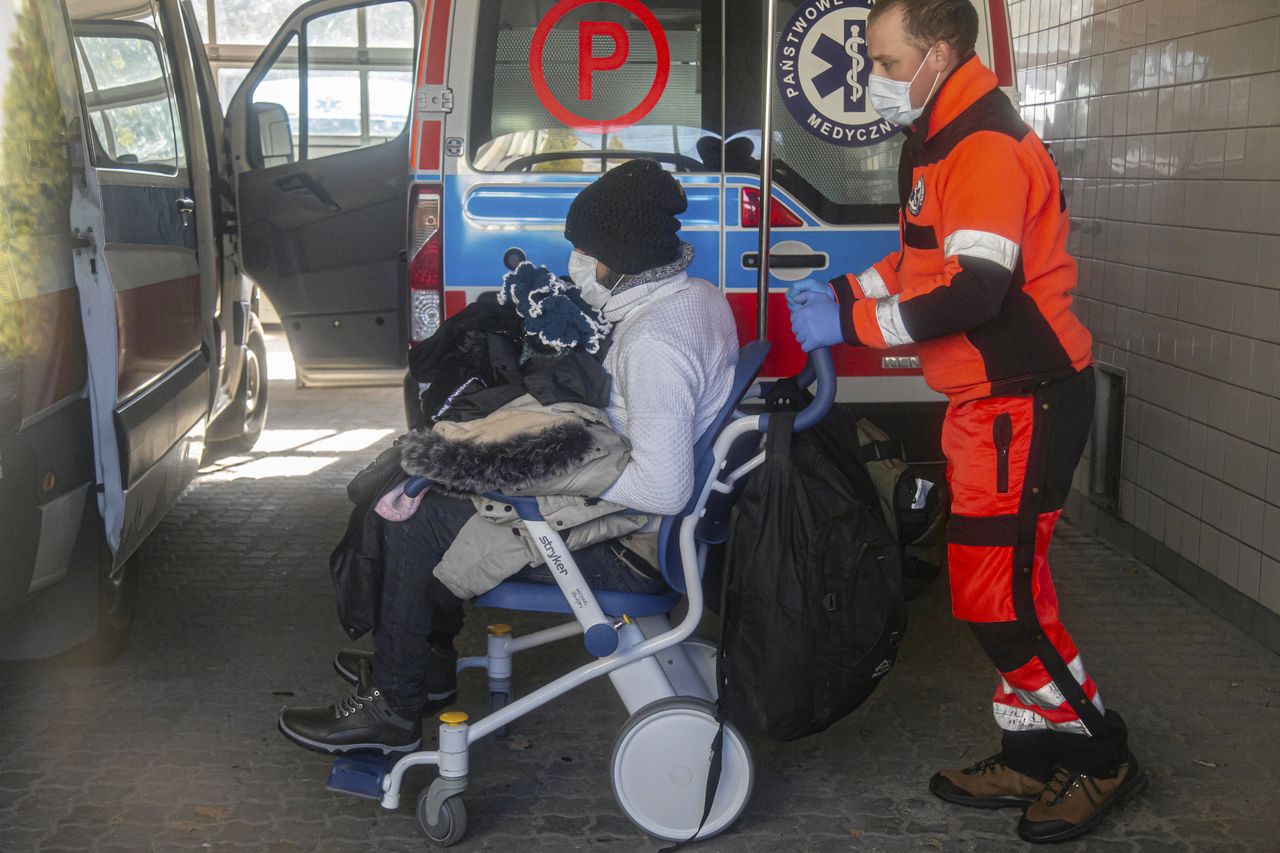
column 671, row 361
column 981, row 287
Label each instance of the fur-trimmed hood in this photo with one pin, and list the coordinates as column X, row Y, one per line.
column 524, row 448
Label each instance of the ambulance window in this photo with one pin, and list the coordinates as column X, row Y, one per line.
column 358, row 80
column 562, row 124
column 229, row 79
column 841, row 183
column 128, row 91
column 248, row 21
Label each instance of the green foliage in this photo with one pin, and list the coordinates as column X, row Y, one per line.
column 35, row 177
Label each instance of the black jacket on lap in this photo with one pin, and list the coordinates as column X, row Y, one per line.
column 480, row 359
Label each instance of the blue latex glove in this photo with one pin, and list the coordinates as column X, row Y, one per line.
column 809, row 285
column 815, row 321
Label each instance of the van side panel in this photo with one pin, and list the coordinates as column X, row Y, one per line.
column 46, row 443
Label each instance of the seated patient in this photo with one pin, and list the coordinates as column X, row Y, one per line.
column 671, row 360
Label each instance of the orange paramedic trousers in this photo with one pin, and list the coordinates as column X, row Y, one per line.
column 1010, row 462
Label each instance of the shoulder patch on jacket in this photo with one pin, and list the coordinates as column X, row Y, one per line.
column 915, row 201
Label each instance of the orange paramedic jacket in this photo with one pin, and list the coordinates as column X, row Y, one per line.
column 982, row 282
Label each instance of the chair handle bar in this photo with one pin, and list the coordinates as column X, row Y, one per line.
column 820, row 367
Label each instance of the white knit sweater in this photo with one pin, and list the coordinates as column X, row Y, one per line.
column 674, row 349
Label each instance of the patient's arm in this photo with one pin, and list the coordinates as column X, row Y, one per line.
column 659, row 385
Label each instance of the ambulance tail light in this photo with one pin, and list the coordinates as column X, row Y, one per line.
column 426, row 269
column 780, row 216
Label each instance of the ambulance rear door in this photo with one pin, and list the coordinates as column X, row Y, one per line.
column 835, row 194
column 319, row 133
column 547, row 96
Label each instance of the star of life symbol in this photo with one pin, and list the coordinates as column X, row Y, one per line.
column 836, row 56
column 823, row 69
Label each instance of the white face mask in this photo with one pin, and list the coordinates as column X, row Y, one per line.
column 892, row 98
column 582, row 269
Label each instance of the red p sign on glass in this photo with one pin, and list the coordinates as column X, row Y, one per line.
column 588, row 62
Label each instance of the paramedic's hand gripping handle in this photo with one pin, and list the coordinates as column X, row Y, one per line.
column 820, row 367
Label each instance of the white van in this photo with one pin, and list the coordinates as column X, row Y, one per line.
column 128, row 340
column 518, row 104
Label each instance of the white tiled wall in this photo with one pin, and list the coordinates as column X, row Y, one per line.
column 1164, row 116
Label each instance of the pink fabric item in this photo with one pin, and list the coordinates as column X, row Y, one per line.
column 394, row 506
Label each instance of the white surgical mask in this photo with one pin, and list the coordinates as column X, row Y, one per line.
column 582, row 269
column 892, row 98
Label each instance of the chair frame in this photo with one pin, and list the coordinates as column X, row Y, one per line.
column 643, row 657
column 639, row 673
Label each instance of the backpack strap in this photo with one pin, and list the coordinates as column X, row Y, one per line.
column 881, row 450
column 777, row 442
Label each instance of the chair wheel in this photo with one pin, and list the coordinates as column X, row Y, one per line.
column 660, row 764
column 449, row 826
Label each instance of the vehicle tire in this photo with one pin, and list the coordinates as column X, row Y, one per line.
column 249, row 409
column 116, row 601
column 449, row 826
column 659, row 770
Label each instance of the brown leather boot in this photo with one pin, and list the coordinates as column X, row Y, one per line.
column 989, row 784
column 1074, row 803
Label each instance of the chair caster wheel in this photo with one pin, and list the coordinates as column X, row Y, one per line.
column 449, row 826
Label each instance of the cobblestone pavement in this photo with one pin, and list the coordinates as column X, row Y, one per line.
column 173, row 746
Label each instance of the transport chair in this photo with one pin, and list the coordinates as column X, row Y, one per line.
column 665, row 676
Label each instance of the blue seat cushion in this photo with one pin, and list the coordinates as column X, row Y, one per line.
column 547, row 598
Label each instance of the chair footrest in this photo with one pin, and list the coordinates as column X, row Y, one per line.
column 360, row 774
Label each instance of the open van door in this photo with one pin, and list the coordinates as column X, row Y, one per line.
column 145, row 311
column 319, row 135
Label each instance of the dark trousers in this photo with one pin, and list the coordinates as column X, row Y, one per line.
column 417, row 611
column 1010, row 462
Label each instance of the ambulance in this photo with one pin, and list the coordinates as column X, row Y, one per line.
column 516, row 105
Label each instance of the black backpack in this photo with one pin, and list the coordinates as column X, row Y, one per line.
column 812, row 613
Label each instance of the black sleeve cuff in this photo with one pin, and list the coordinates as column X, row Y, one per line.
column 844, row 295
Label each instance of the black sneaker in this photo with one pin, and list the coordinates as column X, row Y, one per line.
column 363, row 720
column 442, row 674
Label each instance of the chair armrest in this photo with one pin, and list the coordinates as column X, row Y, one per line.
column 526, row 507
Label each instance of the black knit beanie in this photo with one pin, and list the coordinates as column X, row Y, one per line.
column 627, row 218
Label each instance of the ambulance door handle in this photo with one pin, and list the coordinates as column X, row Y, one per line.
column 186, row 207
column 814, row 260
